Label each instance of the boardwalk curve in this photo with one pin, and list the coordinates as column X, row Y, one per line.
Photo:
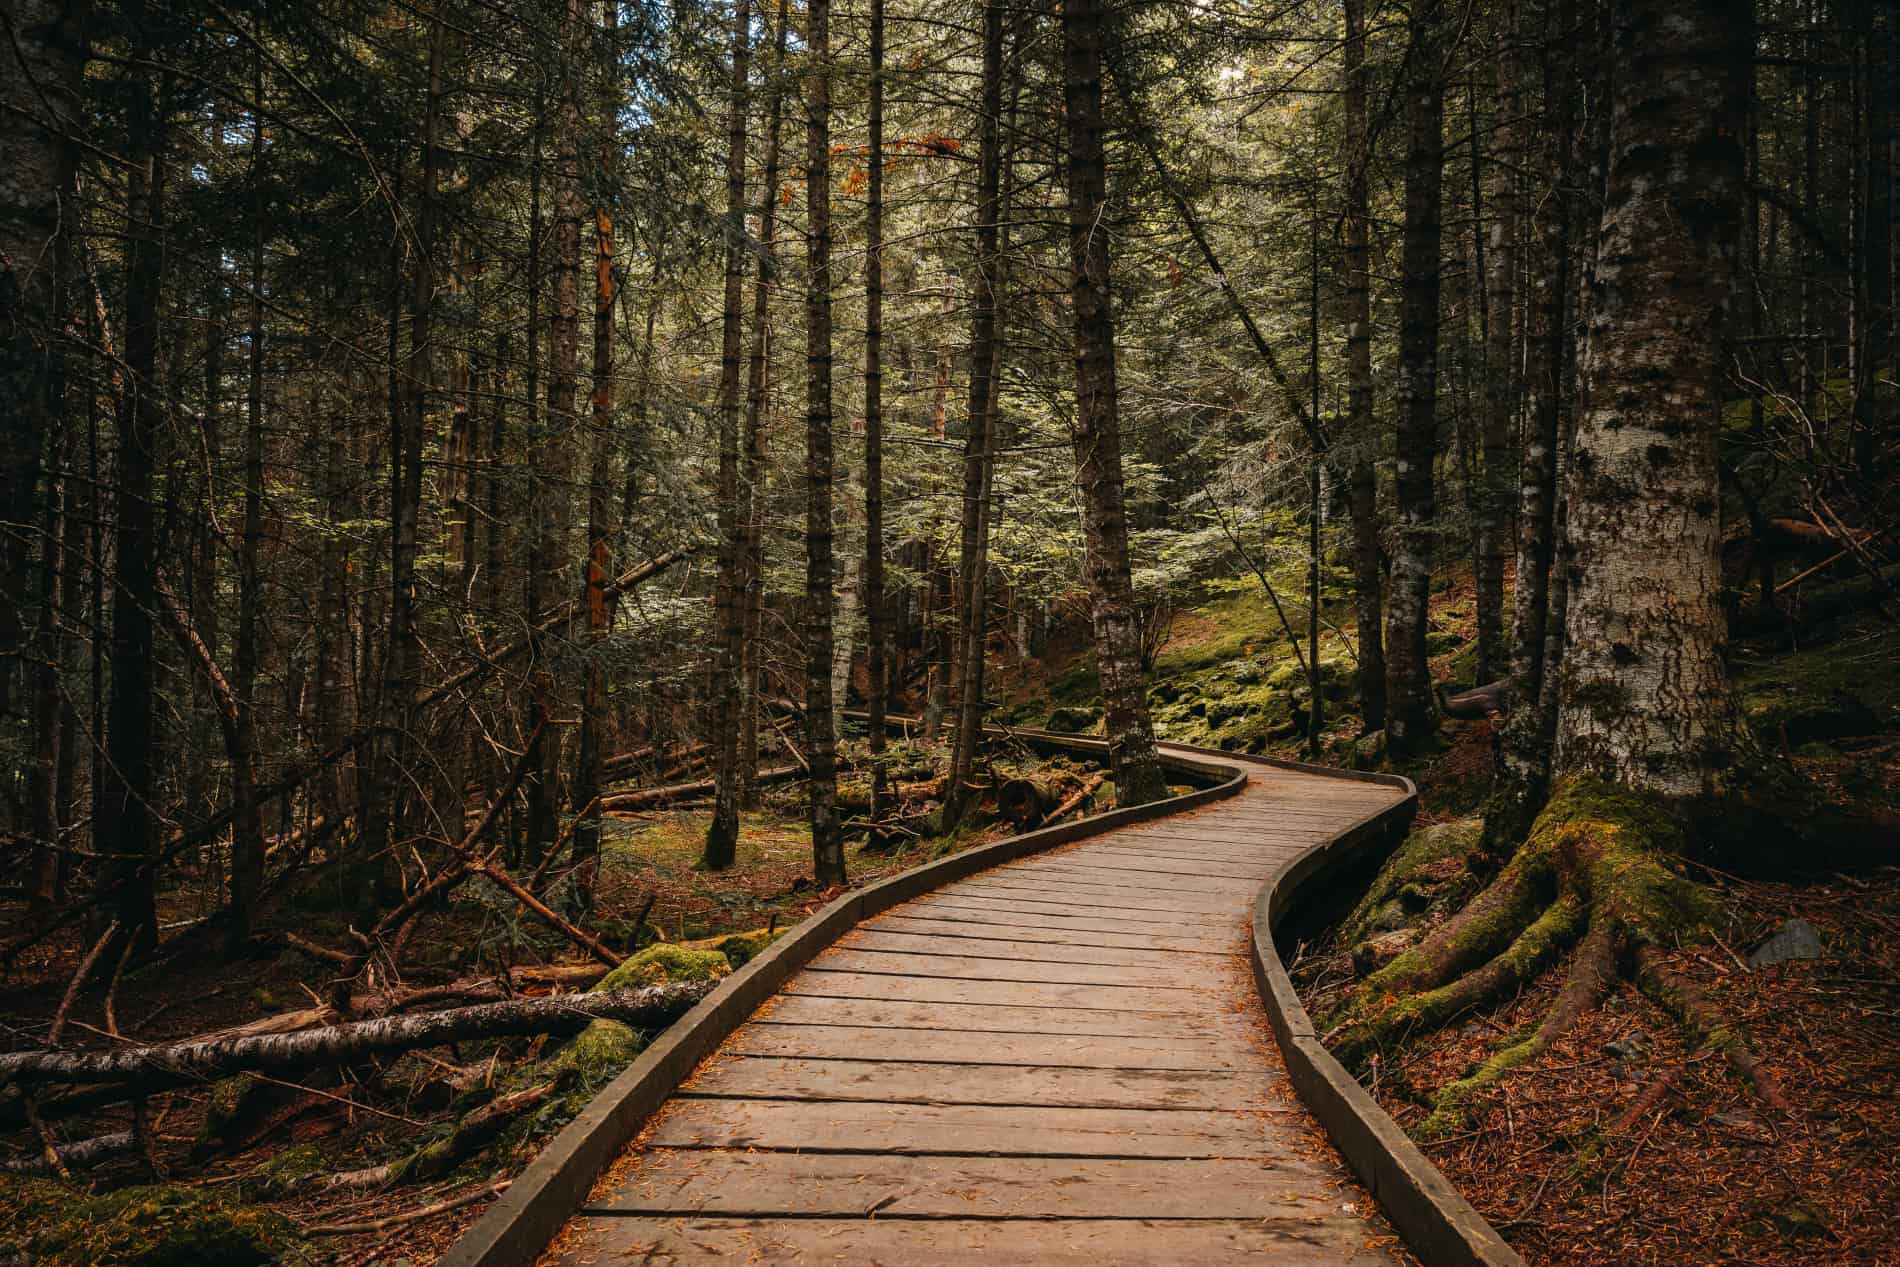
column 1059, row 1059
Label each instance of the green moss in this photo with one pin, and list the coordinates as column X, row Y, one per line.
column 1428, row 848
column 165, row 1226
column 1622, row 844
column 284, row 1172
column 663, row 962
column 1832, row 692
column 234, row 1107
column 742, row 949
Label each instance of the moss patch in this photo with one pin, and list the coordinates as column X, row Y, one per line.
column 162, row 1226
column 664, row 962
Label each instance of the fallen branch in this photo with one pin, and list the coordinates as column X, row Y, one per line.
column 645, row 797
column 1082, row 794
column 75, row 1156
column 182, row 1064
column 408, row 1216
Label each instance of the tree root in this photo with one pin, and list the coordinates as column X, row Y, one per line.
column 1591, row 974
column 1531, row 952
column 1700, row 1016
column 1488, row 926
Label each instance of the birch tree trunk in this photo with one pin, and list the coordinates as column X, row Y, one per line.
column 1645, row 698
column 1097, row 431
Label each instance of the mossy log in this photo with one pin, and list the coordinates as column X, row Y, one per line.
column 182, row 1064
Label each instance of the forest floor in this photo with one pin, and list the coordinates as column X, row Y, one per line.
column 259, row 1182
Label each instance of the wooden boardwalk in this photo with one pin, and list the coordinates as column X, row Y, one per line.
column 1059, row 1060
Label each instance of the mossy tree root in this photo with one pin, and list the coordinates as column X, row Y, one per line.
column 1529, row 954
column 1487, row 926
column 1592, row 972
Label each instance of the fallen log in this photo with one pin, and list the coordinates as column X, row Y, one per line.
column 1477, row 703
column 179, row 1064
column 77, row 1155
column 1024, row 803
column 645, row 798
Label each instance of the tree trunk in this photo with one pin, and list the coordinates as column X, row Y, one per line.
column 722, row 835
column 1646, row 699
column 1496, row 429
column 202, row 1060
column 820, row 737
column 973, row 557
column 752, row 490
column 559, row 427
column 123, row 818
column 247, row 832
column 1408, row 679
column 1362, row 476
column 1523, row 759
column 875, row 635
column 587, row 763
column 1097, row 432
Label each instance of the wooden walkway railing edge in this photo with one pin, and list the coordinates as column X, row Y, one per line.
column 514, row 1231
column 1433, row 1218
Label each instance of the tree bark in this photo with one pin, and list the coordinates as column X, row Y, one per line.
column 1097, row 428
column 821, row 739
column 1408, row 682
column 558, row 428
column 978, row 455
column 123, row 819
column 1645, row 698
column 875, row 633
column 1496, row 429
column 1362, row 475
column 722, row 834
column 195, row 1062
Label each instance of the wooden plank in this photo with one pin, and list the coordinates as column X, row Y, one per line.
column 1178, row 1050
column 1251, row 868
column 1333, row 1241
column 1012, row 1130
column 1133, row 873
column 910, row 963
column 1208, row 907
column 1007, row 950
column 818, row 1185
column 818, row 1009
column 1067, row 913
column 1023, row 929
column 1113, row 998
column 932, row 1082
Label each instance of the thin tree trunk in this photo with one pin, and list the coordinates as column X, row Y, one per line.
column 1523, row 759
column 559, row 428
column 1097, row 428
column 1408, row 678
column 875, row 634
column 1495, row 429
column 752, row 488
column 124, row 826
column 722, row 834
column 1646, row 699
column 1362, row 475
column 247, row 832
column 973, row 558
column 820, row 737
column 587, row 764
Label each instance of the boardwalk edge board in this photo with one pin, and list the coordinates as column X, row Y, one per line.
column 1436, row 1222
column 519, row 1225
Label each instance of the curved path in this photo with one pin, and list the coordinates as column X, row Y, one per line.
column 1057, row 1060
